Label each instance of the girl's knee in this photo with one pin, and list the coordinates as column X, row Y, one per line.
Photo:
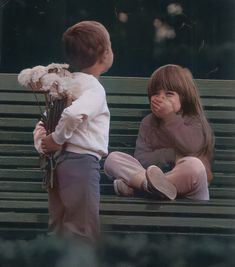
column 195, row 170
column 199, row 179
column 195, row 166
column 112, row 158
column 111, row 161
column 195, row 176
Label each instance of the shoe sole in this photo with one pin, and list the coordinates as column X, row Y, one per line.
column 115, row 186
column 158, row 183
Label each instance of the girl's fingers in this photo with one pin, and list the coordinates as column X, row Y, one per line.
column 157, row 102
column 41, row 132
column 156, row 106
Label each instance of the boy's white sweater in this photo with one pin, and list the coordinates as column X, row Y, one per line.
column 84, row 125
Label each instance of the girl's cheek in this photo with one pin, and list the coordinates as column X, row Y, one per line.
column 153, row 107
column 152, row 98
column 152, row 101
column 177, row 106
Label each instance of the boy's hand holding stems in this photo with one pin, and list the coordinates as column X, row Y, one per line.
column 48, row 145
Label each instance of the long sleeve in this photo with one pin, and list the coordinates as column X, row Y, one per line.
column 83, row 109
column 148, row 153
column 186, row 134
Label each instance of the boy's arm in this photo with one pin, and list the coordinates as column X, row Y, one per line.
column 85, row 107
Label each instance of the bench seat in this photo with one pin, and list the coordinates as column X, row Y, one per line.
column 23, row 201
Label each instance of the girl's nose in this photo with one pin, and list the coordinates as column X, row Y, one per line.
column 161, row 96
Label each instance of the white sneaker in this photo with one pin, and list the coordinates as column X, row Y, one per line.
column 158, row 184
column 122, row 189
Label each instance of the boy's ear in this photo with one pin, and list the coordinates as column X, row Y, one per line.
column 104, row 56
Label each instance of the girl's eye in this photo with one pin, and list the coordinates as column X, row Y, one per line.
column 157, row 94
column 170, row 93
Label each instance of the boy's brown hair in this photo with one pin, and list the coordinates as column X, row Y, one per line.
column 85, row 43
column 176, row 78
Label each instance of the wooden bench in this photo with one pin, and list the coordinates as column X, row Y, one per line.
column 23, row 202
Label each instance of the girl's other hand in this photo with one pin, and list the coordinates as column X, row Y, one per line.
column 39, row 131
column 49, row 145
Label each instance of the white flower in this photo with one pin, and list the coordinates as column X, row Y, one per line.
column 54, row 79
column 37, row 73
column 70, row 86
column 174, row 9
column 57, row 66
column 59, row 87
column 24, row 77
column 48, row 80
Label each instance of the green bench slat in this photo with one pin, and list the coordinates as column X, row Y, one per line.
column 32, row 162
column 36, row 175
column 136, row 85
column 179, row 202
column 8, row 81
column 18, row 149
column 154, row 223
column 29, row 196
column 133, row 85
column 21, row 97
column 222, row 193
column 227, row 166
column 124, row 127
column 223, row 179
column 29, row 150
column 21, row 174
column 12, row 186
column 124, row 140
column 33, row 111
column 152, row 209
column 113, row 199
column 106, row 189
column 18, row 123
column 132, row 222
column 29, row 98
column 26, row 175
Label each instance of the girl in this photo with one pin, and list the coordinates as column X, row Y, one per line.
column 174, row 148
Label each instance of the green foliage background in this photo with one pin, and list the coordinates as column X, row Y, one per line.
column 203, row 34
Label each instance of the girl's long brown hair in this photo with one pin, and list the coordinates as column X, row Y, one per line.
column 179, row 79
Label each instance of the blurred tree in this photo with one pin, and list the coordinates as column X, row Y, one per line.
column 31, row 33
column 145, row 34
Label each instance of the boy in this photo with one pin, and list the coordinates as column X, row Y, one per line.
column 84, row 129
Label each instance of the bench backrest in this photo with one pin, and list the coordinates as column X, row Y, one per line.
column 128, row 103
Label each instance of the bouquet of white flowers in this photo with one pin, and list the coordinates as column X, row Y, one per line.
column 59, row 88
